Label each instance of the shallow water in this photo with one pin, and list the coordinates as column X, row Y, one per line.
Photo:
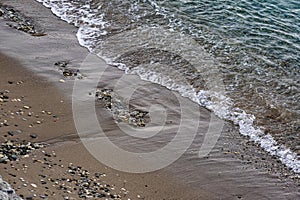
column 239, row 59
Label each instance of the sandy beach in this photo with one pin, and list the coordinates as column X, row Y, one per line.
column 49, row 117
column 36, row 107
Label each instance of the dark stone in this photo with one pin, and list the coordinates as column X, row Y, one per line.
column 9, row 191
column 14, row 157
column 10, row 133
column 33, row 135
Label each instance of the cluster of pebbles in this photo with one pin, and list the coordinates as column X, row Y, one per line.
column 19, row 21
column 119, row 110
column 72, row 181
column 67, row 71
column 87, row 185
column 4, row 96
column 23, row 113
column 11, row 150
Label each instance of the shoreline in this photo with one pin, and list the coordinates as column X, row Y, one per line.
column 263, row 136
column 61, row 45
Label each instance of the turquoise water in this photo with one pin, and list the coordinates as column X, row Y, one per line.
column 258, row 43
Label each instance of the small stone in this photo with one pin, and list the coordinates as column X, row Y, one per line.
column 3, row 158
column 61, row 80
column 14, row 157
column 33, row 135
column 26, row 107
column 10, row 82
column 33, row 185
column 10, row 133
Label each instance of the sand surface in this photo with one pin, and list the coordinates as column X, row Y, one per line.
column 31, row 76
column 57, row 130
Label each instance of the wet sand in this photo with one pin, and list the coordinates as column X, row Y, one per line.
column 225, row 174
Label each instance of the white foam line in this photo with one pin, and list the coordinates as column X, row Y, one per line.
column 87, row 37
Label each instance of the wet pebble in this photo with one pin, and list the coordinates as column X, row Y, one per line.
column 33, row 135
column 10, row 133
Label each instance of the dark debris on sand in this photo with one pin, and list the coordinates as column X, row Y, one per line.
column 11, row 150
column 119, row 110
column 67, row 71
column 19, row 21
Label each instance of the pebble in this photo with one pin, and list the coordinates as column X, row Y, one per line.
column 5, row 123
column 62, row 81
column 33, row 135
column 26, row 107
column 3, row 158
column 10, row 133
